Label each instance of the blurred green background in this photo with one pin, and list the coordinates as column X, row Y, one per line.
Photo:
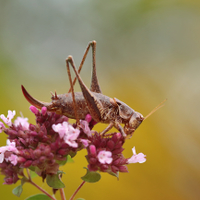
column 147, row 50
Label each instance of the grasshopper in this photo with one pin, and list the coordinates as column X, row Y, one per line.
column 76, row 105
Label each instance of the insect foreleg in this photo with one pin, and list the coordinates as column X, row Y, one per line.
column 117, row 126
column 107, row 128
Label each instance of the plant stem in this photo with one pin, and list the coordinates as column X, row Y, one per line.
column 72, row 197
column 39, row 188
column 62, row 194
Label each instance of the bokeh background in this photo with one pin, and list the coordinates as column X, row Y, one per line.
column 147, row 50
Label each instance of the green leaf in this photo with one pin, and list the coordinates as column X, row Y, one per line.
column 91, row 177
column 61, row 162
column 80, row 199
column 17, row 191
column 33, row 174
column 32, row 168
column 54, row 181
column 38, row 197
column 115, row 174
column 69, row 159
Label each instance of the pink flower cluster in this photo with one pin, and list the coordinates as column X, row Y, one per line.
column 42, row 147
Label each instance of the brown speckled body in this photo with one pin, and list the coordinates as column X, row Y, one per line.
column 64, row 105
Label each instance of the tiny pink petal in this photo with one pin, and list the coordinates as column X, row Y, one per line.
column 2, row 127
column 7, row 120
column 73, row 131
column 85, row 126
column 137, row 158
column 85, row 142
column 61, row 128
column 10, row 147
column 1, row 157
column 70, row 140
column 23, row 121
column 105, row 157
column 13, row 159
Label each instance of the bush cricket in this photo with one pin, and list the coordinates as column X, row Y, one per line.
column 77, row 105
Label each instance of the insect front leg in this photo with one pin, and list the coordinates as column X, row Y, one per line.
column 120, row 129
column 107, row 128
column 117, row 126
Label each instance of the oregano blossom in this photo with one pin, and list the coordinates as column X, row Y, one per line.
column 48, row 144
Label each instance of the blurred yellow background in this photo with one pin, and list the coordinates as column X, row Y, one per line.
column 147, row 50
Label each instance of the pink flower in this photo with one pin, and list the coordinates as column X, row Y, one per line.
column 2, row 127
column 10, row 147
column 140, row 158
column 61, row 129
column 13, row 159
column 67, row 132
column 23, row 121
column 7, row 120
column 105, row 157
column 85, row 126
column 85, row 142
column 71, row 136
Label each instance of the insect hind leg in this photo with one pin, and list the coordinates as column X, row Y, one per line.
column 94, row 87
column 72, row 90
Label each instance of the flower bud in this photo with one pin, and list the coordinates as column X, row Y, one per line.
column 92, row 161
column 37, row 153
column 32, row 127
column 8, row 181
column 27, row 163
column 33, row 133
column 88, row 118
column 34, row 110
column 50, row 156
column 104, row 168
column 93, row 150
column 63, row 152
column 110, row 145
column 11, row 132
column 114, row 169
column 44, row 111
column 47, row 150
column 123, row 168
column 42, row 159
column 21, row 159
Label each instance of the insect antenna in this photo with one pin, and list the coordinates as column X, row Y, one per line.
column 156, row 108
column 72, row 89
